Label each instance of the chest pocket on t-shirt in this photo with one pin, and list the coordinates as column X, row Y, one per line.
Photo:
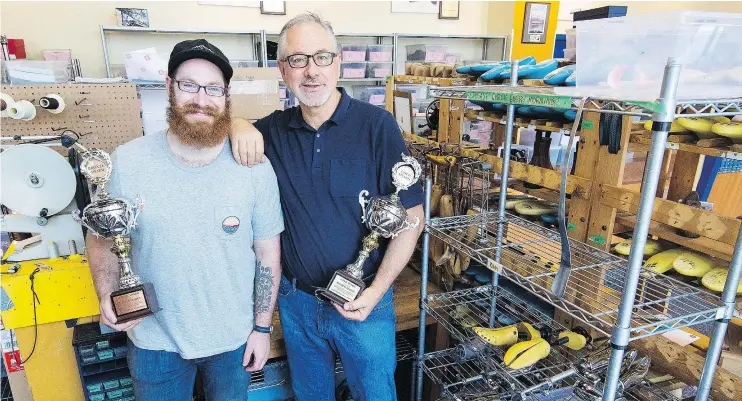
column 228, row 222
column 347, row 177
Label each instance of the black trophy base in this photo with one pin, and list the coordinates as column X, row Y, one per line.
column 343, row 288
column 134, row 303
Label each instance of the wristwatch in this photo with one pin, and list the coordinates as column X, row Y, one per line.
column 263, row 329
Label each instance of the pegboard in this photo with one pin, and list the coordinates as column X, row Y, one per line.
column 106, row 116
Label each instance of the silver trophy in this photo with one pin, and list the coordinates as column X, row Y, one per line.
column 115, row 218
column 385, row 217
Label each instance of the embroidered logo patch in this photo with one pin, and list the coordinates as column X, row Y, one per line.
column 231, row 224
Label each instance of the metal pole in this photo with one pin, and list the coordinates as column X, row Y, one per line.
column 264, row 48
column 423, row 292
column 503, row 185
column 395, row 70
column 662, row 119
column 105, row 51
column 717, row 338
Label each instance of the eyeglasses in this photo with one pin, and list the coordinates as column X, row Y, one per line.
column 211, row 90
column 321, row 59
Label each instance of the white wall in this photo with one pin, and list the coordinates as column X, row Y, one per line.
column 75, row 25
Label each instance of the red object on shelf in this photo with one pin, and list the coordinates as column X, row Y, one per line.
column 16, row 48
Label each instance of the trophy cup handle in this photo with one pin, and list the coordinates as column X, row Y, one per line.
column 409, row 225
column 137, row 209
column 76, row 217
column 363, row 203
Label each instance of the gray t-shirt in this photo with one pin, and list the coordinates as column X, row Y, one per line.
column 194, row 242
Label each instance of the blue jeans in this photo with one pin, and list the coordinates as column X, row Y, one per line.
column 314, row 333
column 165, row 376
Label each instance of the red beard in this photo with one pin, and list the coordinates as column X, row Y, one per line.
column 199, row 134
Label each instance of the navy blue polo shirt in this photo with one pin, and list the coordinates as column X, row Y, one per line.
column 320, row 174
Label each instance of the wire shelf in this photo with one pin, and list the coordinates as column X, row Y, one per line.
column 460, row 311
column 468, row 380
column 530, row 256
column 503, row 94
column 405, row 350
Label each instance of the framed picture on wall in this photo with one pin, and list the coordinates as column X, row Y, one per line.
column 535, row 22
column 448, row 10
column 273, row 7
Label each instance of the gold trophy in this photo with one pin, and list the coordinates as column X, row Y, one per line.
column 385, row 217
column 115, row 218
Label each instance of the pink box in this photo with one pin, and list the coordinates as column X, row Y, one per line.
column 376, row 99
column 380, row 56
column 354, row 56
column 354, row 70
column 379, row 70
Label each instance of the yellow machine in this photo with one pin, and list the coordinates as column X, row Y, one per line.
column 45, row 278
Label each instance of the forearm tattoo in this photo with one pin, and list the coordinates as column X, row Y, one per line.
column 263, row 288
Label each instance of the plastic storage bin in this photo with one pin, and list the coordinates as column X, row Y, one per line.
column 570, row 54
column 626, row 56
column 571, row 38
column 427, row 52
column 419, row 92
column 353, row 70
column 372, row 94
column 25, row 72
column 245, row 63
column 354, row 53
column 272, row 63
column 378, row 70
column 451, row 58
column 380, row 52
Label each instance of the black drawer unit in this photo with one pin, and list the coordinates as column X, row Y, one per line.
column 101, row 361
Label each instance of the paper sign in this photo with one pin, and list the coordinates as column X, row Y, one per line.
column 13, row 361
column 681, row 337
column 494, row 266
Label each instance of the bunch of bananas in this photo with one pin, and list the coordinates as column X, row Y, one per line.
column 651, row 248
column 529, row 345
column 691, row 264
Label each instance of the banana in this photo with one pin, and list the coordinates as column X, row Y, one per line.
column 732, row 130
column 693, row 264
column 574, row 341
column 700, row 126
column 716, row 278
column 527, row 331
column 526, row 353
column 674, row 128
column 464, row 259
column 533, row 208
column 442, row 160
column 651, row 248
column 435, row 198
column 721, row 119
column 662, row 262
column 498, row 336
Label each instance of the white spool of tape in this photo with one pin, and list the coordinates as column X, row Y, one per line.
column 5, row 102
column 53, row 103
column 22, row 110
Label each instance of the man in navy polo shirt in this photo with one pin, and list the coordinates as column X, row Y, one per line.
column 325, row 152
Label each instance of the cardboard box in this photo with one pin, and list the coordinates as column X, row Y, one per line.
column 254, row 92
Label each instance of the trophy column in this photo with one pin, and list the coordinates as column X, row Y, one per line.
column 115, row 218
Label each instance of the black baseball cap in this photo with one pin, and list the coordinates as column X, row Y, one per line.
column 198, row 48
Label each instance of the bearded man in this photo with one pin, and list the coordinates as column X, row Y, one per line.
column 207, row 239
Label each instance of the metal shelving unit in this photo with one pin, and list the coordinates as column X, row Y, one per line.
column 459, row 312
column 530, row 257
column 615, row 297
